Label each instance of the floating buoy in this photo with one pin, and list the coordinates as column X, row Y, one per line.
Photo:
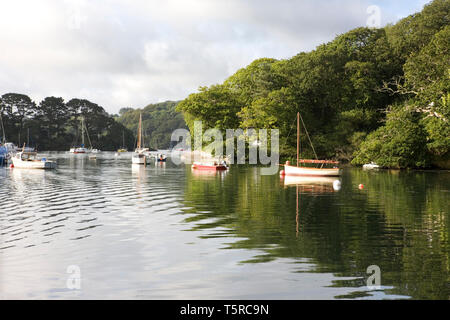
column 282, row 173
column 361, row 186
column 11, row 165
column 336, row 185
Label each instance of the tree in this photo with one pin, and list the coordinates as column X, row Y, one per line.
column 19, row 108
column 397, row 144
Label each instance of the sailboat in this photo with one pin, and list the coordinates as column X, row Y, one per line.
column 123, row 149
column 298, row 170
column 82, row 149
column 139, row 156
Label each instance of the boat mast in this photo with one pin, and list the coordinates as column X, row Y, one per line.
column 82, row 132
column 298, row 137
column 139, row 131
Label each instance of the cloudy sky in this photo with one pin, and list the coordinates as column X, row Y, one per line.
column 121, row 53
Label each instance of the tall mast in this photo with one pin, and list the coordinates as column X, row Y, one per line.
column 82, row 132
column 139, row 131
column 298, row 137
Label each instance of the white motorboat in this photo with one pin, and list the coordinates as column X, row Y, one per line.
column 30, row 160
column 371, row 166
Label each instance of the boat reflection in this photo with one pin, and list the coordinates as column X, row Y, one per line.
column 208, row 174
column 312, row 184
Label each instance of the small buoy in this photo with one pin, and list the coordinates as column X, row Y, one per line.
column 361, row 186
column 336, row 185
column 11, row 165
column 282, row 173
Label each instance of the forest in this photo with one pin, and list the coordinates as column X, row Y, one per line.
column 371, row 94
column 158, row 122
column 55, row 125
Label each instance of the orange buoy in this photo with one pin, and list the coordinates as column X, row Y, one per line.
column 361, row 186
column 11, row 165
column 282, row 173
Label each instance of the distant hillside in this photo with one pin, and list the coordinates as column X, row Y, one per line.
column 158, row 121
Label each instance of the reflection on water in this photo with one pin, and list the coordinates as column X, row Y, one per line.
column 166, row 231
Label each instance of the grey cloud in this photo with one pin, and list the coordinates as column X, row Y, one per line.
column 119, row 53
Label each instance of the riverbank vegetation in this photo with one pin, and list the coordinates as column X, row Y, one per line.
column 158, row 122
column 369, row 95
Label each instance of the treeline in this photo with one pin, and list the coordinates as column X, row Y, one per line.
column 54, row 124
column 158, row 122
column 369, row 95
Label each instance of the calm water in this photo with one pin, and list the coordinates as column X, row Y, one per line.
column 165, row 232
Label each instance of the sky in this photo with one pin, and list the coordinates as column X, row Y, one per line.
column 120, row 53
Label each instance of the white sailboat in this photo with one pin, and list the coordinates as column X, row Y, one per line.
column 82, row 149
column 139, row 155
column 309, row 171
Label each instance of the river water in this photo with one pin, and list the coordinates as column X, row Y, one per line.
column 104, row 229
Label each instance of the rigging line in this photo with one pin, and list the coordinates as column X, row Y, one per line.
column 306, row 130
column 287, row 138
column 87, row 134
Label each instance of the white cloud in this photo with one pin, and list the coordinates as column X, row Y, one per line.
column 119, row 53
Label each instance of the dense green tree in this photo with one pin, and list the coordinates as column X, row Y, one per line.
column 18, row 108
column 342, row 90
column 158, row 121
column 397, row 144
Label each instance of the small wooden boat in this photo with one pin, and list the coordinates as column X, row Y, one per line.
column 299, row 170
column 308, row 171
column 209, row 166
column 29, row 160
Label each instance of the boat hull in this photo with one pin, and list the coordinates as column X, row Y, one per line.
column 139, row 159
column 209, row 167
column 312, row 172
column 33, row 164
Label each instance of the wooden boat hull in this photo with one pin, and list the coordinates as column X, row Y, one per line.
column 209, row 167
column 315, row 172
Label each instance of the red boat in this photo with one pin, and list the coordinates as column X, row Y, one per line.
column 208, row 166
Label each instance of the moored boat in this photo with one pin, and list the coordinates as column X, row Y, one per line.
column 371, row 166
column 140, row 155
column 139, row 158
column 209, row 166
column 308, row 171
column 3, row 156
column 299, row 170
column 30, row 160
column 161, row 158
